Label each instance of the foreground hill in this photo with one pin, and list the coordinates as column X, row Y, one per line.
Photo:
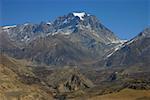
column 12, row 86
column 126, row 94
column 43, row 83
column 19, row 81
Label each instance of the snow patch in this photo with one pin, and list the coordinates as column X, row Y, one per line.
column 8, row 27
column 119, row 41
column 65, row 21
column 48, row 23
column 61, row 31
column 80, row 15
column 130, row 41
column 66, row 33
column 26, row 24
column 116, row 49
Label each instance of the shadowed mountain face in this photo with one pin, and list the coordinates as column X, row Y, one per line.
column 69, row 40
column 56, row 50
column 132, row 53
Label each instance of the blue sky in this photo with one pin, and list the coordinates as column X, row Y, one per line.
column 126, row 18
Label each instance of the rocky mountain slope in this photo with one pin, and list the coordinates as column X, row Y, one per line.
column 68, row 80
column 133, row 53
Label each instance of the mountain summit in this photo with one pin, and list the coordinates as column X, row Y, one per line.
column 79, row 14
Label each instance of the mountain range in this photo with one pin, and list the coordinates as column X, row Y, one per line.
column 74, row 57
column 69, row 39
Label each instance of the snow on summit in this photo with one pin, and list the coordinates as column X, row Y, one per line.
column 80, row 15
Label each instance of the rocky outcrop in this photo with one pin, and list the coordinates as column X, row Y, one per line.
column 68, row 80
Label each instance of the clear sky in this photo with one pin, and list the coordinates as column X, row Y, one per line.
column 126, row 18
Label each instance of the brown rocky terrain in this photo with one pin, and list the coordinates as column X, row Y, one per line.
column 11, row 85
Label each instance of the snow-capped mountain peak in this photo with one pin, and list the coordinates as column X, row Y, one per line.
column 79, row 14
